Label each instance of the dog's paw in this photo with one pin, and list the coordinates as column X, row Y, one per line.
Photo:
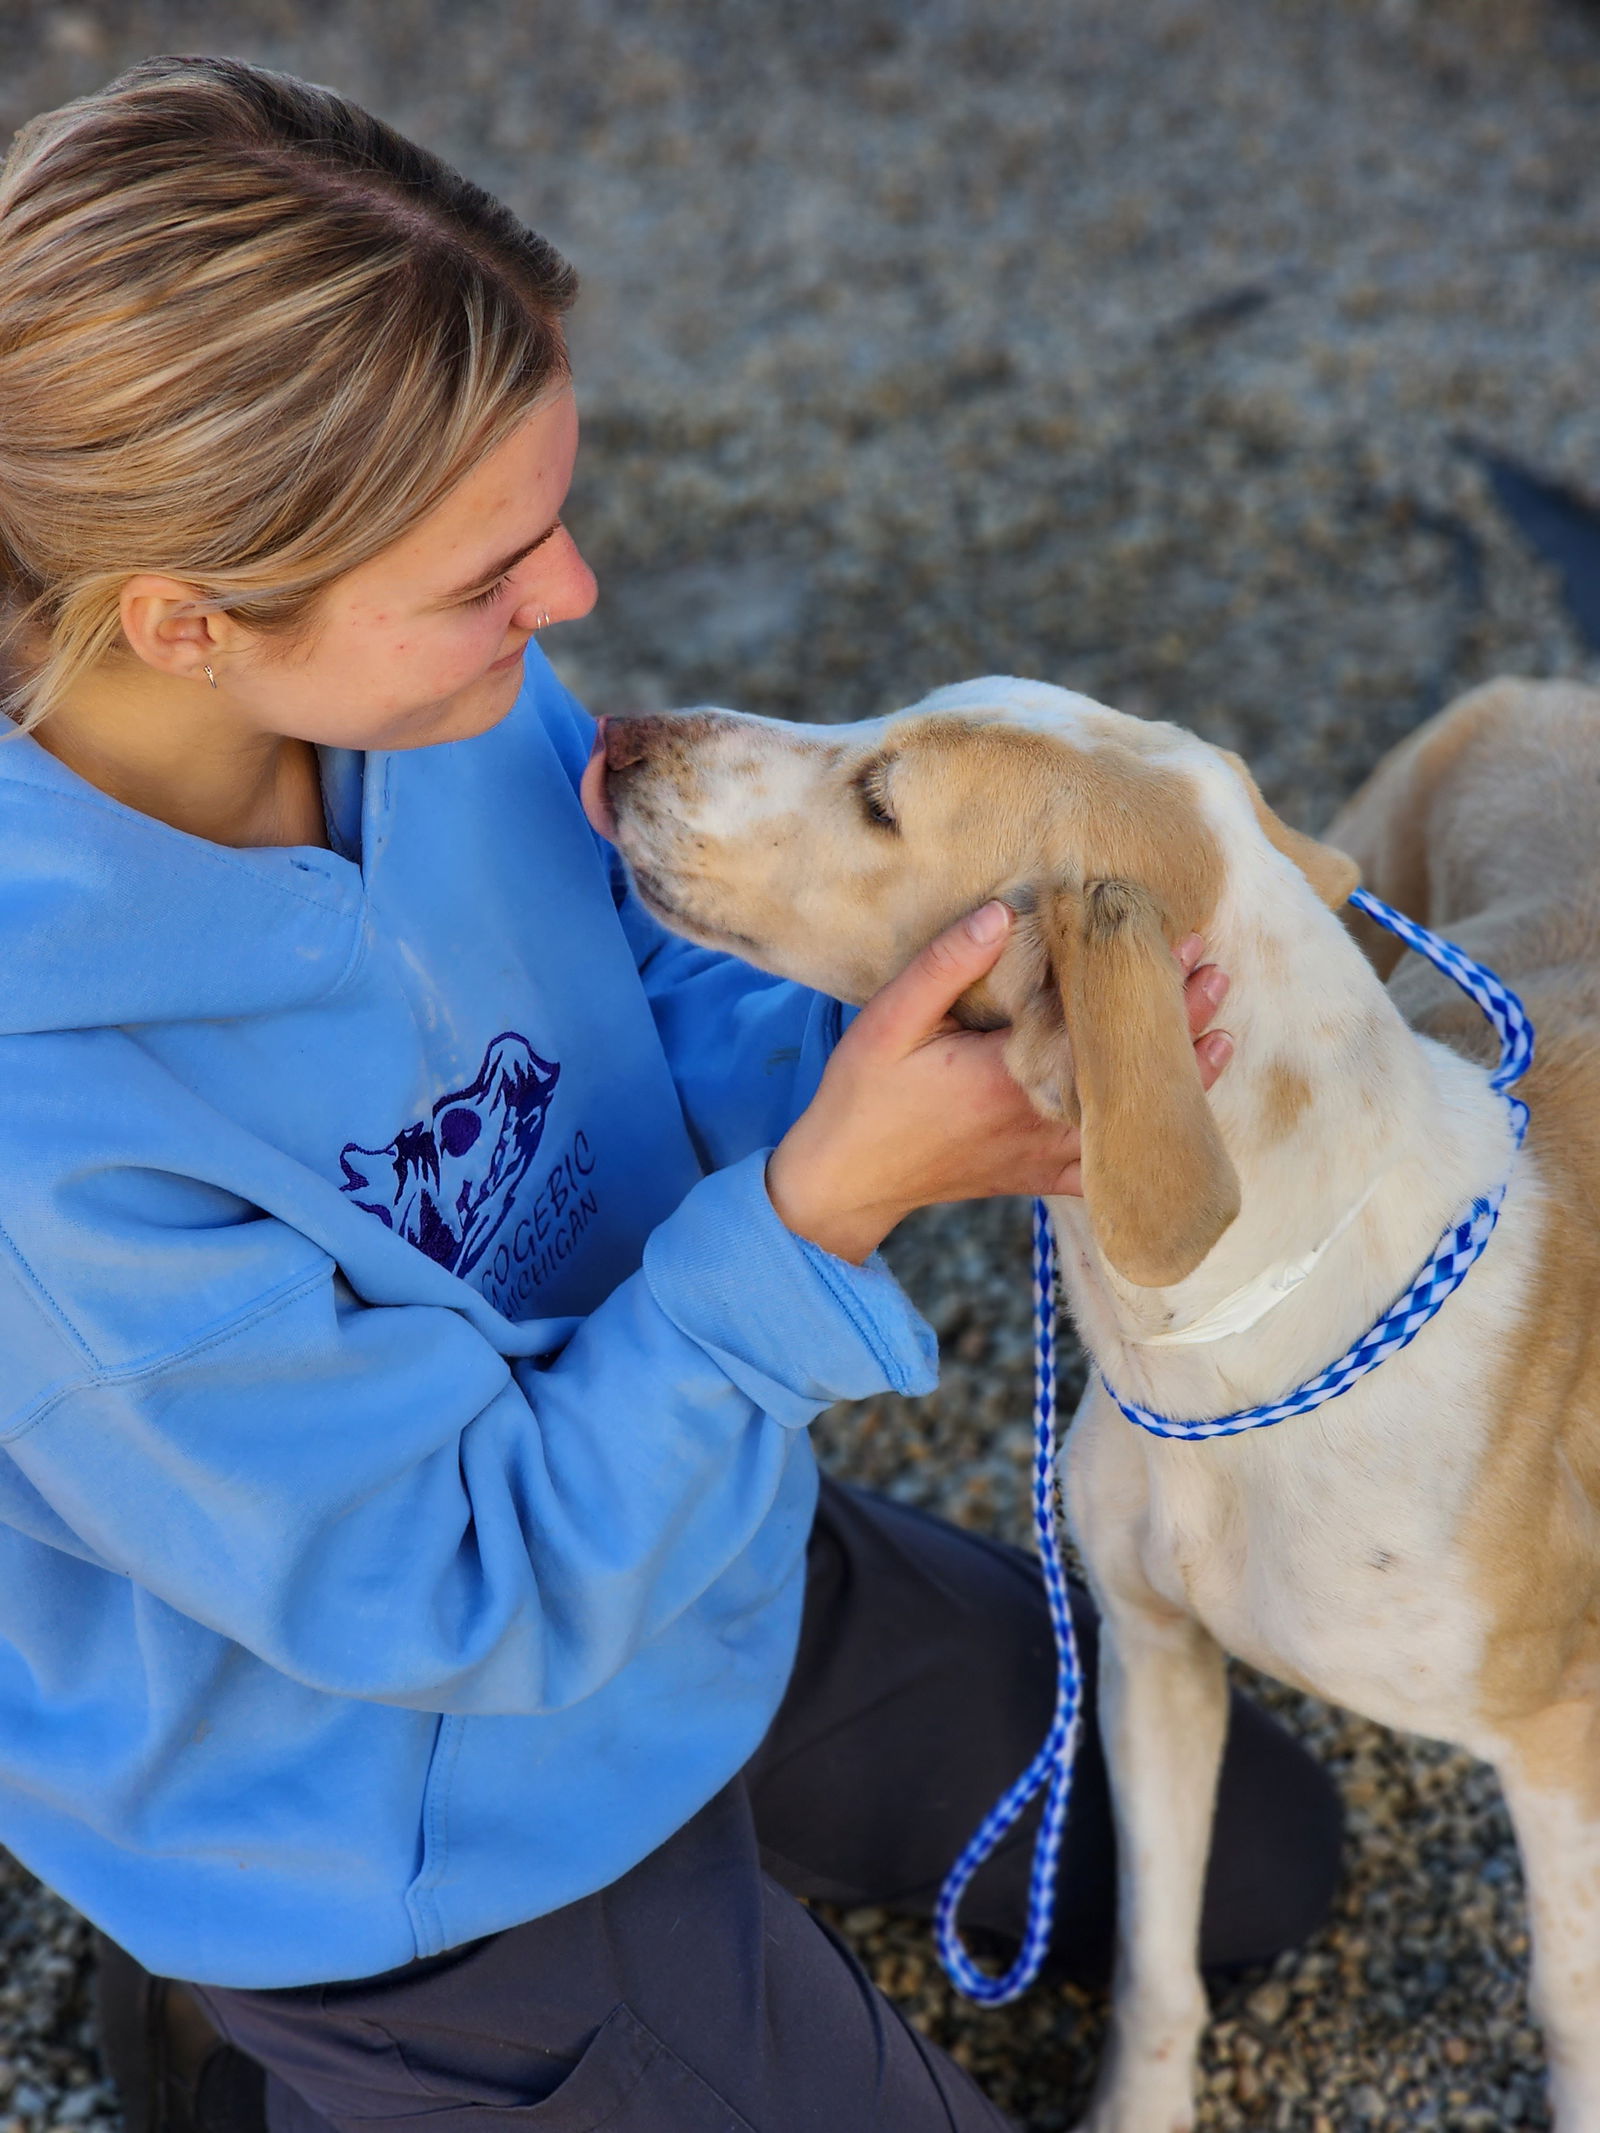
column 1151, row 2093
column 1147, row 2077
column 1148, row 2106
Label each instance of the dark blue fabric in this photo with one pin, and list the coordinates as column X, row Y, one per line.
column 695, row 1993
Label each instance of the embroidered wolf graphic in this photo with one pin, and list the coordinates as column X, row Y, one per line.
column 447, row 1182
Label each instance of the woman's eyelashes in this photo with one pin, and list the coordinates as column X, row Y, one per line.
column 487, row 599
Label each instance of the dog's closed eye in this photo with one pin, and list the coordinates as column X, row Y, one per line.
column 871, row 784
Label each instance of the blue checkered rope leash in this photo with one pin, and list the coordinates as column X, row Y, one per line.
column 1051, row 1769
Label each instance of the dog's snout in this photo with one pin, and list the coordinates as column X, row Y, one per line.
column 637, row 759
column 627, row 741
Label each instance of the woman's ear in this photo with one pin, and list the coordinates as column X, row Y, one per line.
column 1100, row 1033
column 166, row 624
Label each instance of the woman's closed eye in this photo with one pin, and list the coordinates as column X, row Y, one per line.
column 488, row 598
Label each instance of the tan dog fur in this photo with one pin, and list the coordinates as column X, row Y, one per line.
column 989, row 815
column 1426, row 1549
column 1483, row 826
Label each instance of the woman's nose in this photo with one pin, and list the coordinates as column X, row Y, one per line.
column 564, row 589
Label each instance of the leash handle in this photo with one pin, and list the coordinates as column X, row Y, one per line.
column 1051, row 1768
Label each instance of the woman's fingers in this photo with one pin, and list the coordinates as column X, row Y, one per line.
column 1203, row 993
column 1205, row 989
column 1069, row 1184
column 911, row 1111
column 913, row 1006
column 1213, row 1052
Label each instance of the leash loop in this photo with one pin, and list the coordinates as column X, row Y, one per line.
column 1051, row 1769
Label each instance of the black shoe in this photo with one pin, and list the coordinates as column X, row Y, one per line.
column 173, row 2069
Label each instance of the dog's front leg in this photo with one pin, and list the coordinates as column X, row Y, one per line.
column 1163, row 1717
column 1551, row 1787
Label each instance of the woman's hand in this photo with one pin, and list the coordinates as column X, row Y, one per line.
column 913, row 1110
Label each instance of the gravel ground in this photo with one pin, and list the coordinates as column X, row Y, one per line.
column 1150, row 349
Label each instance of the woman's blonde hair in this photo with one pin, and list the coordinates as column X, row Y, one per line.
column 248, row 336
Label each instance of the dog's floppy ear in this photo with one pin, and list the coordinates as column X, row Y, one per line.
column 1331, row 873
column 1099, row 1028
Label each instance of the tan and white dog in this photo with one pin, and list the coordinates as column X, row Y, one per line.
column 1425, row 1549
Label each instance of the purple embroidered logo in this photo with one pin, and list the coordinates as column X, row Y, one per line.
column 447, row 1182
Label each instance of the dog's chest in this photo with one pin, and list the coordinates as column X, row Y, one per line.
column 1329, row 1558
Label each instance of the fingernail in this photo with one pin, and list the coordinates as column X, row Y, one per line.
column 1214, row 984
column 1218, row 1048
column 989, row 922
column 1190, row 952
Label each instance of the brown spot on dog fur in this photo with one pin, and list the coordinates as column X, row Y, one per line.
column 1147, row 828
column 1285, row 1095
column 1098, row 813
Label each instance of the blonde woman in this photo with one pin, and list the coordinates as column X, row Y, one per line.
column 407, row 1637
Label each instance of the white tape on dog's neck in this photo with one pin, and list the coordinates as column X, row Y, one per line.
column 1247, row 1306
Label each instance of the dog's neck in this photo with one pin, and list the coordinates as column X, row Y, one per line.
column 1355, row 1142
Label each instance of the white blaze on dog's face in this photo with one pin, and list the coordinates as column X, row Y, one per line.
column 833, row 854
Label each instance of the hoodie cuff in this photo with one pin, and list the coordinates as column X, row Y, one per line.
column 792, row 1326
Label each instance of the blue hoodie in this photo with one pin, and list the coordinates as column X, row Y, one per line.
column 403, row 1373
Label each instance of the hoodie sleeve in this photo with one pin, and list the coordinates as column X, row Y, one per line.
column 745, row 1049
column 378, row 1503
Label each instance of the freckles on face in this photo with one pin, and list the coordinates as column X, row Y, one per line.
column 400, row 671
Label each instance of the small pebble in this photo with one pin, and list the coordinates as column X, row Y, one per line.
column 1269, row 2003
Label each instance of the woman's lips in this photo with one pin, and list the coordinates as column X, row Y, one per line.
column 592, row 790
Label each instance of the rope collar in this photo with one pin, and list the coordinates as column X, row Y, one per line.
column 1457, row 1251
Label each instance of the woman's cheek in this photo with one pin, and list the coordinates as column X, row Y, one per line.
column 438, row 668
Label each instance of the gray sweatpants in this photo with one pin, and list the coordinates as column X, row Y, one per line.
column 695, row 1995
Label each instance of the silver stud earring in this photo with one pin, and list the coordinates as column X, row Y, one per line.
column 542, row 622
column 206, row 671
